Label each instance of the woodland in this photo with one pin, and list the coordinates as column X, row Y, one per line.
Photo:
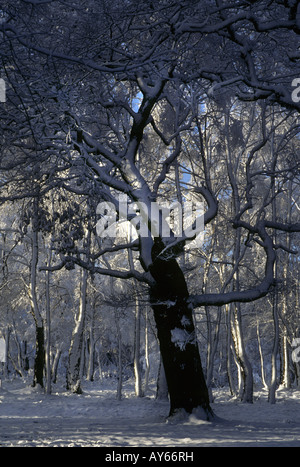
column 162, row 102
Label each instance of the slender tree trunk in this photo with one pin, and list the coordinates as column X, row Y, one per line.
column 137, row 349
column 91, row 340
column 147, row 360
column 229, row 351
column 246, row 368
column 162, row 392
column 7, row 335
column 48, row 329
column 240, row 382
column 55, row 365
column 120, row 366
column 177, row 339
column 137, row 335
column 82, row 358
column 75, row 353
column 98, row 352
column 213, row 339
column 263, row 378
column 274, row 375
column 39, row 362
column 20, row 359
column 25, row 359
column 285, row 377
column 91, row 358
column 297, row 374
column 209, row 356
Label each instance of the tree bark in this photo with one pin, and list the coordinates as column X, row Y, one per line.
column 7, row 335
column 91, row 355
column 242, row 357
column 120, row 365
column 137, row 336
column 137, row 349
column 162, row 392
column 274, row 382
column 75, row 353
column 147, row 360
column 263, row 378
column 55, row 365
column 285, row 375
column 177, row 338
column 229, row 350
column 39, row 362
column 212, row 339
column 48, row 328
column 274, row 375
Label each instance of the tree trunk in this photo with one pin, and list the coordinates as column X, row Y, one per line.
column 137, row 336
column 242, row 357
column 120, row 366
column 39, row 362
column 48, row 329
column 75, row 354
column 147, row 360
column 162, row 392
column 285, row 376
column 19, row 363
column 212, row 339
column 98, row 353
column 297, row 374
column 177, row 338
column 25, row 358
column 274, row 376
column 91, row 355
column 55, row 365
column 7, row 335
column 137, row 349
column 263, row 378
column 229, row 351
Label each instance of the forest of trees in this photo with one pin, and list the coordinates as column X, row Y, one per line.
column 159, row 102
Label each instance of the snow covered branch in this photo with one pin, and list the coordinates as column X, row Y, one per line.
column 243, row 296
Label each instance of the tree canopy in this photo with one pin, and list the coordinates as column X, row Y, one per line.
column 161, row 102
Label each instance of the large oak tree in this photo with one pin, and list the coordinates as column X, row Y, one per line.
column 122, row 87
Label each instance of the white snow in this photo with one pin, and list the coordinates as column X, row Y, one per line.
column 181, row 337
column 28, row 417
column 185, row 321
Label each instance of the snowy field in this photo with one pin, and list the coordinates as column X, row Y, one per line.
column 96, row 419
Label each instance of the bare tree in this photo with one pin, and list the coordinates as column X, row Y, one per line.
column 140, row 74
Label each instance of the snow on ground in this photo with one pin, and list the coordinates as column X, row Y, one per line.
column 30, row 418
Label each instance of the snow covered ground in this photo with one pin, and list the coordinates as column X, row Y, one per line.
column 96, row 419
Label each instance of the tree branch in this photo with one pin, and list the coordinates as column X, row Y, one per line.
column 244, row 296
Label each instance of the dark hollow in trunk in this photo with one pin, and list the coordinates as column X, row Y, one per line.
column 177, row 338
